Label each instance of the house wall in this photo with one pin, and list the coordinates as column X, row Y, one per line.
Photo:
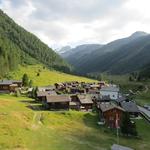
column 110, row 117
column 58, row 106
column 4, row 87
column 87, row 106
column 113, row 95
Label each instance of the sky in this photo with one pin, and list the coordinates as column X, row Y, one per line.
column 74, row 22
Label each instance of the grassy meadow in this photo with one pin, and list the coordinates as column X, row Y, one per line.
column 23, row 128
column 46, row 76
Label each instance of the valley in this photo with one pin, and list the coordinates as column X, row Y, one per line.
column 81, row 98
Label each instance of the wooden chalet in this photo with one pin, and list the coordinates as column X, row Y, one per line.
column 41, row 95
column 74, row 90
column 56, row 102
column 9, row 85
column 75, row 103
column 109, row 112
column 102, row 83
column 60, row 86
column 85, row 102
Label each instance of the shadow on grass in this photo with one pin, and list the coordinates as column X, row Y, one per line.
column 37, row 107
column 29, row 101
column 91, row 120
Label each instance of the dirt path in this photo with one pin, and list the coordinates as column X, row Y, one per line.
column 36, row 121
column 146, row 89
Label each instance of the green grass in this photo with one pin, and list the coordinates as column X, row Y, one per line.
column 46, row 77
column 143, row 98
column 22, row 128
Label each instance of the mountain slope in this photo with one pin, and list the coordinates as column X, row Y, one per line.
column 46, row 76
column 144, row 73
column 77, row 54
column 117, row 57
column 17, row 46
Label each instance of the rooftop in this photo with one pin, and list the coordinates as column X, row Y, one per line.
column 57, row 98
column 129, row 106
column 120, row 147
column 108, row 106
column 85, row 99
column 45, row 93
column 110, row 88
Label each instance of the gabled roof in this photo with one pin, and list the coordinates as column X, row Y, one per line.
column 45, row 93
column 110, row 88
column 6, row 82
column 85, row 99
column 9, row 82
column 120, row 147
column 57, row 98
column 108, row 106
column 129, row 106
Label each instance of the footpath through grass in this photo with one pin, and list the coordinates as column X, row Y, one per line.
column 22, row 128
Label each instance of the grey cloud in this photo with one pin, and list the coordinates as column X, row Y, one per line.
column 64, row 20
column 74, row 10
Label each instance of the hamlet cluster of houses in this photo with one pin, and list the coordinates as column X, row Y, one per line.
column 107, row 98
column 82, row 96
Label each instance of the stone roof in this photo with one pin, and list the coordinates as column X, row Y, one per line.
column 120, row 147
column 9, row 82
column 129, row 106
column 85, row 99
column 108, row 106
column 110, row 88
column 57, row 98
column 6, row 82
column 45, row 93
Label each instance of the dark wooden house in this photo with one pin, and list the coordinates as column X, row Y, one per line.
column 57, row 102
column 9, row 85
column 41, row 95
column 75, row 103
column 109, row 112
column 85, row 102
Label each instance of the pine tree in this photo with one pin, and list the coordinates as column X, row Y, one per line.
column 127, row 126
column 30, row 83
column 25, row 80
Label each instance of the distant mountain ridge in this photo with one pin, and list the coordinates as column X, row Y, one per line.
column 117, row 57
column 18, row 46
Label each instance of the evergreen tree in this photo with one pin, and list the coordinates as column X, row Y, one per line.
column 34, row 92
column 127, row 126
column 25, row 80
column 30, row 83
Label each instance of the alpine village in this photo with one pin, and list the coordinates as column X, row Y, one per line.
column 68, row 101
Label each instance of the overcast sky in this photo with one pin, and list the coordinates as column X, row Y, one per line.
column 73, row 22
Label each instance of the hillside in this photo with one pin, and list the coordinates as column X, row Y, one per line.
column 118, row 57
column 145, row 72
column 46, row 76
column 79, row 52
column 23, row 128
column 18, row 46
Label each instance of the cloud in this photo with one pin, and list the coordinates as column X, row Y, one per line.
column 73, row 22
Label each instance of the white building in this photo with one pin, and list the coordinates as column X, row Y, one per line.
column 111, row 91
